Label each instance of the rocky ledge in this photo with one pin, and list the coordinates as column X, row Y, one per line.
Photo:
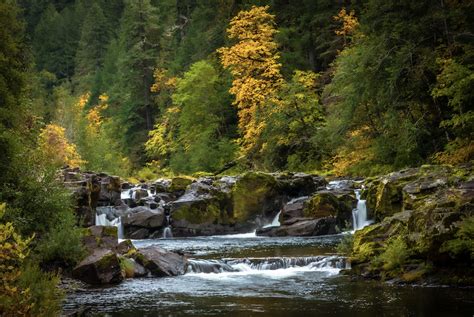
column 424, row 226
column 110, row 262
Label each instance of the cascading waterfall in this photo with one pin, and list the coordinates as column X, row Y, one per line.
column 313, row 263
column 167, row 233
column 275, row 222
column 101, row 220
column 359, row 215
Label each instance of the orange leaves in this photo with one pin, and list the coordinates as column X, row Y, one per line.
column 55, row 147
column 252, row 62
column 349, row 22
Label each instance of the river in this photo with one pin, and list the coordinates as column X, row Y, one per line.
column 244, row 275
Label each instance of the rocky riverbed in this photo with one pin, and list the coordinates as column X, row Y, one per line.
column 409, row 226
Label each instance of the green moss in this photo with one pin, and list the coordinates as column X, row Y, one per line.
column 127, row 266
column 346, row 245
column 200, row 212
column 180, row 183
column 395, row 255
column 107, row 261
column 321, row 205
column 110, row 231
column 250, row 193
column 463, row 243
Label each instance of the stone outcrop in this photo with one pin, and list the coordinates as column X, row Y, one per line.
column 100, row 267
column 425, row 225
column 160, row 262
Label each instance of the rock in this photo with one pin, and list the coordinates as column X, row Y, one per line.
column 99, row 237
column 293, row 209
column 426, row 208
column 337, row 204
column 101, row 267
column 130, row 268
column 179, row 184
column 302, row 228
column 110, row 189
column 299, row 184
column 160, row 262
column 144, row 218
column 125, row 247
column 256, row 194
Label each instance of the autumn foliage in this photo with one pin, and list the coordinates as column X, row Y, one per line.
column 55, row 147
column 253, row 63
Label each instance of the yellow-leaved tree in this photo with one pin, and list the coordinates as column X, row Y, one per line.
column 253, row 63
column 14, row 300
column 55, row 147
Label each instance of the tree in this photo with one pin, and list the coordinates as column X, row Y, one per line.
column 13, row 66
column 131, row 97
column 56, row 149
column 92, row 47
column 201, row 121
column 253, row 62
column 289, row 138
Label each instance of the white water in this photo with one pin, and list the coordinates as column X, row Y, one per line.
column 167, row 233
column 274, row 268
column 252, row 234
column 101, row 220
column 359, row 215
column 275, row 222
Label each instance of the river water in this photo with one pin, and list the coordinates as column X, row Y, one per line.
column 244, row 275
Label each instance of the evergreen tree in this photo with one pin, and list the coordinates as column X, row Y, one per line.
column 138, row 49
column 92, row 47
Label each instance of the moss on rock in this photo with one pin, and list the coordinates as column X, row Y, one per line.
column 254, row 193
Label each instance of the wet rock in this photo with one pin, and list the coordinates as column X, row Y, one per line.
column 144, row 218
column 301, row 228
column 294, row 209
column 299, row 184
column 130, row 268
column 160, row 262
column 125, row 247
column 256, row 194
column 427, row 207
column 101, row 267
column 337, row 204
column 99, row 237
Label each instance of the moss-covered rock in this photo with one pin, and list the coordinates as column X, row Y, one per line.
column 101, row 267
column 335, row 204
column 255, row 194
column 430, row 209
column 99, row 237
column 179, row 184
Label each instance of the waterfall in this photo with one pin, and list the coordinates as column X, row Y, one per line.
column 359, row 215
column 167, row 233
column 101, row 220
column 275, row 222
column 313, row 263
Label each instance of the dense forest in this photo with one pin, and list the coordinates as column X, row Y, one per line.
column 166, row 87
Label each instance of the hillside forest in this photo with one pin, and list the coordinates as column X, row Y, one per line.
column 143, row 88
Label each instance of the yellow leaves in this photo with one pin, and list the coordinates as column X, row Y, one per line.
column 13, row 251
column 94, row 116
column 55, row 147
column 349, row 22
column 252, row 62
column 162, row 81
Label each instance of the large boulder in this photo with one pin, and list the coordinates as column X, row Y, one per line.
column 337, row 204
column 143, row 222
column 302, row 227
column 160, row 262
column 256, row 195
column 99, row 237
column 101, row 267
column 299, row 184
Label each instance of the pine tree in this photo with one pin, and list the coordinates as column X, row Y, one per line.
column 92, row 47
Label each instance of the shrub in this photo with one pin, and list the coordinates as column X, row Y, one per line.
column 346, row 244
column 395, row 254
